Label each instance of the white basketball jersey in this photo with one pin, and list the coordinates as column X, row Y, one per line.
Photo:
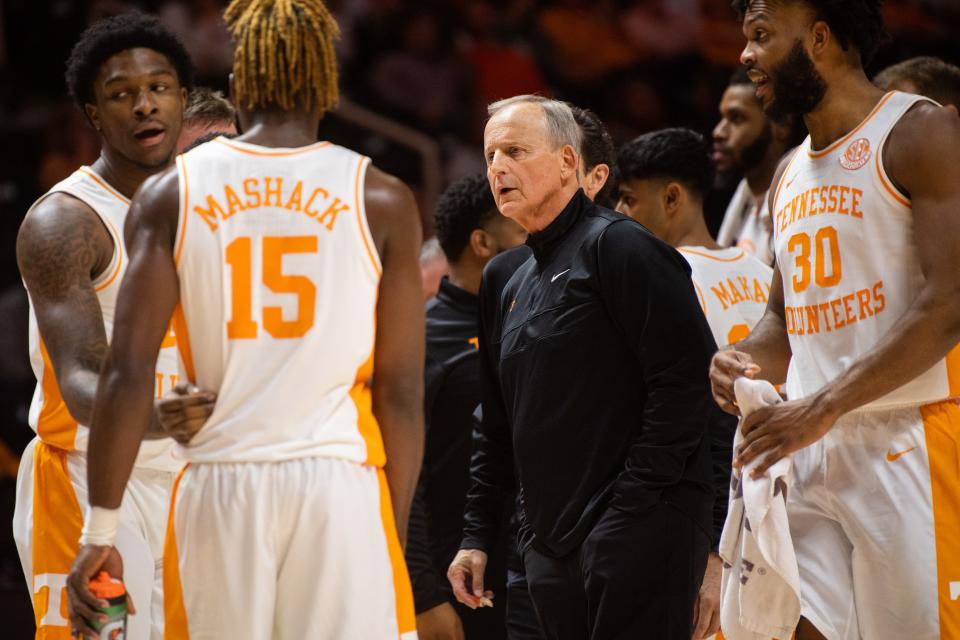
column 844, row 243
column 49, row 415
column 278, row 290
column 733, row 287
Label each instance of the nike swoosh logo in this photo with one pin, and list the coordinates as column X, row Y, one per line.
column 558, row 275
column 893, row 456
column 789, row 182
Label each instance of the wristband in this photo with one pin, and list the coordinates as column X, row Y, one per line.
column 100, row 527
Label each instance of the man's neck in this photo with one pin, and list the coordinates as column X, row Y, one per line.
column 695, row 234
column 555, row 205
column 279, row 128
column 121, row 174
column 760, row 177
column 847, row 102
column 466, row 277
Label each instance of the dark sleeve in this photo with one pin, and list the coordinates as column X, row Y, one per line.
column 722, row 428
column 647, row 290
column 491, row 463
column 430, row 587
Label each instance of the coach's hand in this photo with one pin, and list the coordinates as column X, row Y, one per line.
column 466, row 577
column 706, row 611
column 182, row 412
column 725, row 367
column 440, row 623
column 82, row 605
column 770, row 433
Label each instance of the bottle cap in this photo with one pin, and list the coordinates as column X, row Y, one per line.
column 103, row 586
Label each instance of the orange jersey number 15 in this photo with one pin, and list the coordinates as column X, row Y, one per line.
column 239, row 256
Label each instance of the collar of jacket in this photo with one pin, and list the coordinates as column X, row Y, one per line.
column 452, row 295
column 543, row 241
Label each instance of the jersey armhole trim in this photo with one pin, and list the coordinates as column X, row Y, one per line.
column 100, row 283
column 184, row 202
column 888, row 186
column 364, row 227
column 694, row 252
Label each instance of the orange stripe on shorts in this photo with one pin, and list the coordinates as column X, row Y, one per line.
column 406, row 618
column 174, row 611
column 941, row 426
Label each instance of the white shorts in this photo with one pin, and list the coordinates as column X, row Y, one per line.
column 51, row 503
column 303, row 548
column 875, row 519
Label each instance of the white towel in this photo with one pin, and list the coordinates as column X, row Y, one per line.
column 760, row 591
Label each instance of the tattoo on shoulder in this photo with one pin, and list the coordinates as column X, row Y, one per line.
column 62, row 246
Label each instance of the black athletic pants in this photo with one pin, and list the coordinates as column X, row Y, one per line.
column 636, row 575
column 522, row 622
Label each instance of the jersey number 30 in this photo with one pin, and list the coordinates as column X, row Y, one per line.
column 239, row 256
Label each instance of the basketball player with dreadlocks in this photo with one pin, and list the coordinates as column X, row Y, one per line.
column 284, row 261
column 863, row 324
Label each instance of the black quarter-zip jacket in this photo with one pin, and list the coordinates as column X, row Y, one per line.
column 594, row 376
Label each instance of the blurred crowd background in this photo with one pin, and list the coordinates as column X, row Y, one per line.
column 416, row 76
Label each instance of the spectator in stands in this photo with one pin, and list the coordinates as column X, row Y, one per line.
column 926, row 76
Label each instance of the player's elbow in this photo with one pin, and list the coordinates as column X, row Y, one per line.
column 399, row 404
column 939, row 303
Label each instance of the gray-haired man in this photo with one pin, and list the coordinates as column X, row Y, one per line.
column 595, row 391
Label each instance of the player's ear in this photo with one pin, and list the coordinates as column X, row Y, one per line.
column 92, row 115
column 952, row 107
column 598, row 177
column 482, row 244
column 673, row 196
column 820, row 37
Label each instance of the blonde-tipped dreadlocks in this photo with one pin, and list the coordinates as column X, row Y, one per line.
column 284, row 54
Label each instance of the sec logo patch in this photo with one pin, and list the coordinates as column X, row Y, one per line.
column 856, row 155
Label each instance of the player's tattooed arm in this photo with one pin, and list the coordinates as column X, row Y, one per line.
column 62, row 248
column 398, row 365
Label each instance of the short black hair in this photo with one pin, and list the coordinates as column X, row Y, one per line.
column 671, row 154
column 466, row 205
column 110, row 36
column 596, row 147
column 933, row 78
column 854, row 22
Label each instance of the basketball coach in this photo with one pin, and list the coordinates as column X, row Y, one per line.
column 595, row 399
